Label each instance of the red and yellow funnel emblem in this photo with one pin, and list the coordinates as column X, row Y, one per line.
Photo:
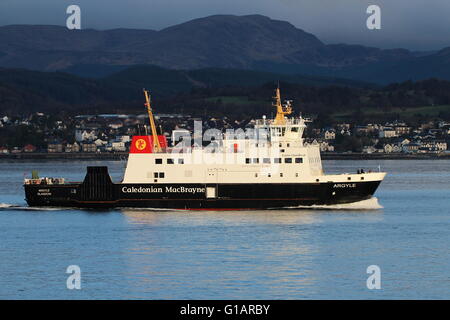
column 140, row 144
column 144, row 144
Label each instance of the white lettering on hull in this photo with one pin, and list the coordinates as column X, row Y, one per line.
column 344, row 185
column 161, row 190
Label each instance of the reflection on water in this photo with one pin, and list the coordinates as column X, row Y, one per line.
column 224, row 252
column 143, row 216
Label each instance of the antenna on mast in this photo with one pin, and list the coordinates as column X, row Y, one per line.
column 281, row 111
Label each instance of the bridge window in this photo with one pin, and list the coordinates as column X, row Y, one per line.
column 180, row 161
column 255, row 160
column 248, row 160
column 294, row 129
column 266, row 160
column 158, row 161
column 298, row 160
column 287, row 160
column 161, row 174
column 277, row 160
column 170, row 161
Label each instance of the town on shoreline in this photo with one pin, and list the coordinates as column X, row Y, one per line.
column 108, row 136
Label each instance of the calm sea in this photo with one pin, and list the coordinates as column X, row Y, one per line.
column 279, row 254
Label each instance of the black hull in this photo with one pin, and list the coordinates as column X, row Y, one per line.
column 97, row 191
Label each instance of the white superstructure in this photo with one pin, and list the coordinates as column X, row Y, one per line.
column 274, row 152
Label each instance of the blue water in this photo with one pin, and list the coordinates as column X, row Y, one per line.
column 282, row 254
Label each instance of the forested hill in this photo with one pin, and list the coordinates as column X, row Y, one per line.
column 23, row 91
column 210, row 92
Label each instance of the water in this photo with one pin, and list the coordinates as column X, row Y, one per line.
column 279, row 254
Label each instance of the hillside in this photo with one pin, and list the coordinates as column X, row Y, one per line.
column 213, row 92
column 24, row 90
column 221, row 41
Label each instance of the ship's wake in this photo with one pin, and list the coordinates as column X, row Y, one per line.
column 368, row 204
column 10, row 206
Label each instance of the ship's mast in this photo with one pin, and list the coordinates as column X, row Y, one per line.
column 281, row 111
column 156, row 144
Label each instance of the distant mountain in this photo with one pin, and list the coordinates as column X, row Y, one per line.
column 220, row 41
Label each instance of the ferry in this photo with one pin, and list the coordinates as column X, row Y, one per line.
column 269, row 166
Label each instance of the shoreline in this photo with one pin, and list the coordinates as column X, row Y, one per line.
column 124, row 156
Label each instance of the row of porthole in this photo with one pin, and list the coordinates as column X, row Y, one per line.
column 270, row 175
column 169, row 161
column 275, row 160
column 247, row 160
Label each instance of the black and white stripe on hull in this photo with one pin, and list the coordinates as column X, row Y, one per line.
column 99, row 191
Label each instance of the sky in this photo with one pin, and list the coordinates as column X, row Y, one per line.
column 411, row 24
